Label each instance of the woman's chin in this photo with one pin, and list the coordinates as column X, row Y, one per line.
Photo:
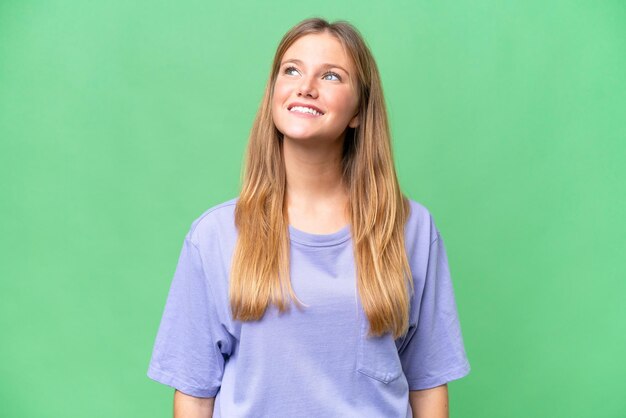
column 300, row 136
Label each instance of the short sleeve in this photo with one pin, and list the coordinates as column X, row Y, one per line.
column 191, row 345
column 432, row 352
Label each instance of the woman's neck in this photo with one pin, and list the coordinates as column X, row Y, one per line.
column 316, row 194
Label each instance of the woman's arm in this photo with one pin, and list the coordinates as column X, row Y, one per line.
column 430, row 403
column 186, row 406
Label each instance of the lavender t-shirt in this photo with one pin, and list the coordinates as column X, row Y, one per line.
column 316, row 362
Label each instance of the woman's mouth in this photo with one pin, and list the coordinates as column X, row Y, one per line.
column 305, row 110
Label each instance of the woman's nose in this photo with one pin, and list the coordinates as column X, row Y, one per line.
column 307, row 88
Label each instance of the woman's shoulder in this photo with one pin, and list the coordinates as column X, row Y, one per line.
column 418, row 209
column 218, row 222
column 215, row 221
column 420, row 224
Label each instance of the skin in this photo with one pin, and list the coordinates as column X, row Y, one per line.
column 312, row 146
column 186, row 406
column 430, row 403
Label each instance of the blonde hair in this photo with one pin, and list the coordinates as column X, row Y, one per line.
column 377, row 209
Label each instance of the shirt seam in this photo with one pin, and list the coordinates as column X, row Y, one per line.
column 230, row 202
column 177, row 381
column 436, row 238
column 308, row 244
column 209, row 287
column 446, row 377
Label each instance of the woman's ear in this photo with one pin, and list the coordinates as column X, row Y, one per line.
column 354, row 122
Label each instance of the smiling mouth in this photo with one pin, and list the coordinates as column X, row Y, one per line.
column 306, row 110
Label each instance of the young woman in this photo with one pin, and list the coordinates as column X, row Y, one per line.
column 320, row 291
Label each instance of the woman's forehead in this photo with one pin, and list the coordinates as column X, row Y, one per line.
column 318, row 49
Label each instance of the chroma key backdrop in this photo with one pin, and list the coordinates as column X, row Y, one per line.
column 122, row 121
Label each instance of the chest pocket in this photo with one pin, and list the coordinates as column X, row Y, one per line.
column 377, row 357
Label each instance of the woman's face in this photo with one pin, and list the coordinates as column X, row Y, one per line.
column 315, row 94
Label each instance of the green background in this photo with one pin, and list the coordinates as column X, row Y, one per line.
column 121, row 122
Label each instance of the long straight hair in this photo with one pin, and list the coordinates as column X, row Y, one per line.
column 377, row 209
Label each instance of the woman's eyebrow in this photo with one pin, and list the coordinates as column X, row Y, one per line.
column 326, row 65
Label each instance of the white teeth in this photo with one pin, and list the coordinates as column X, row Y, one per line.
column 303, row 109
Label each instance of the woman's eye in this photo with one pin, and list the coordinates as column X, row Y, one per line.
column 333, row 75
column 289, row 69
